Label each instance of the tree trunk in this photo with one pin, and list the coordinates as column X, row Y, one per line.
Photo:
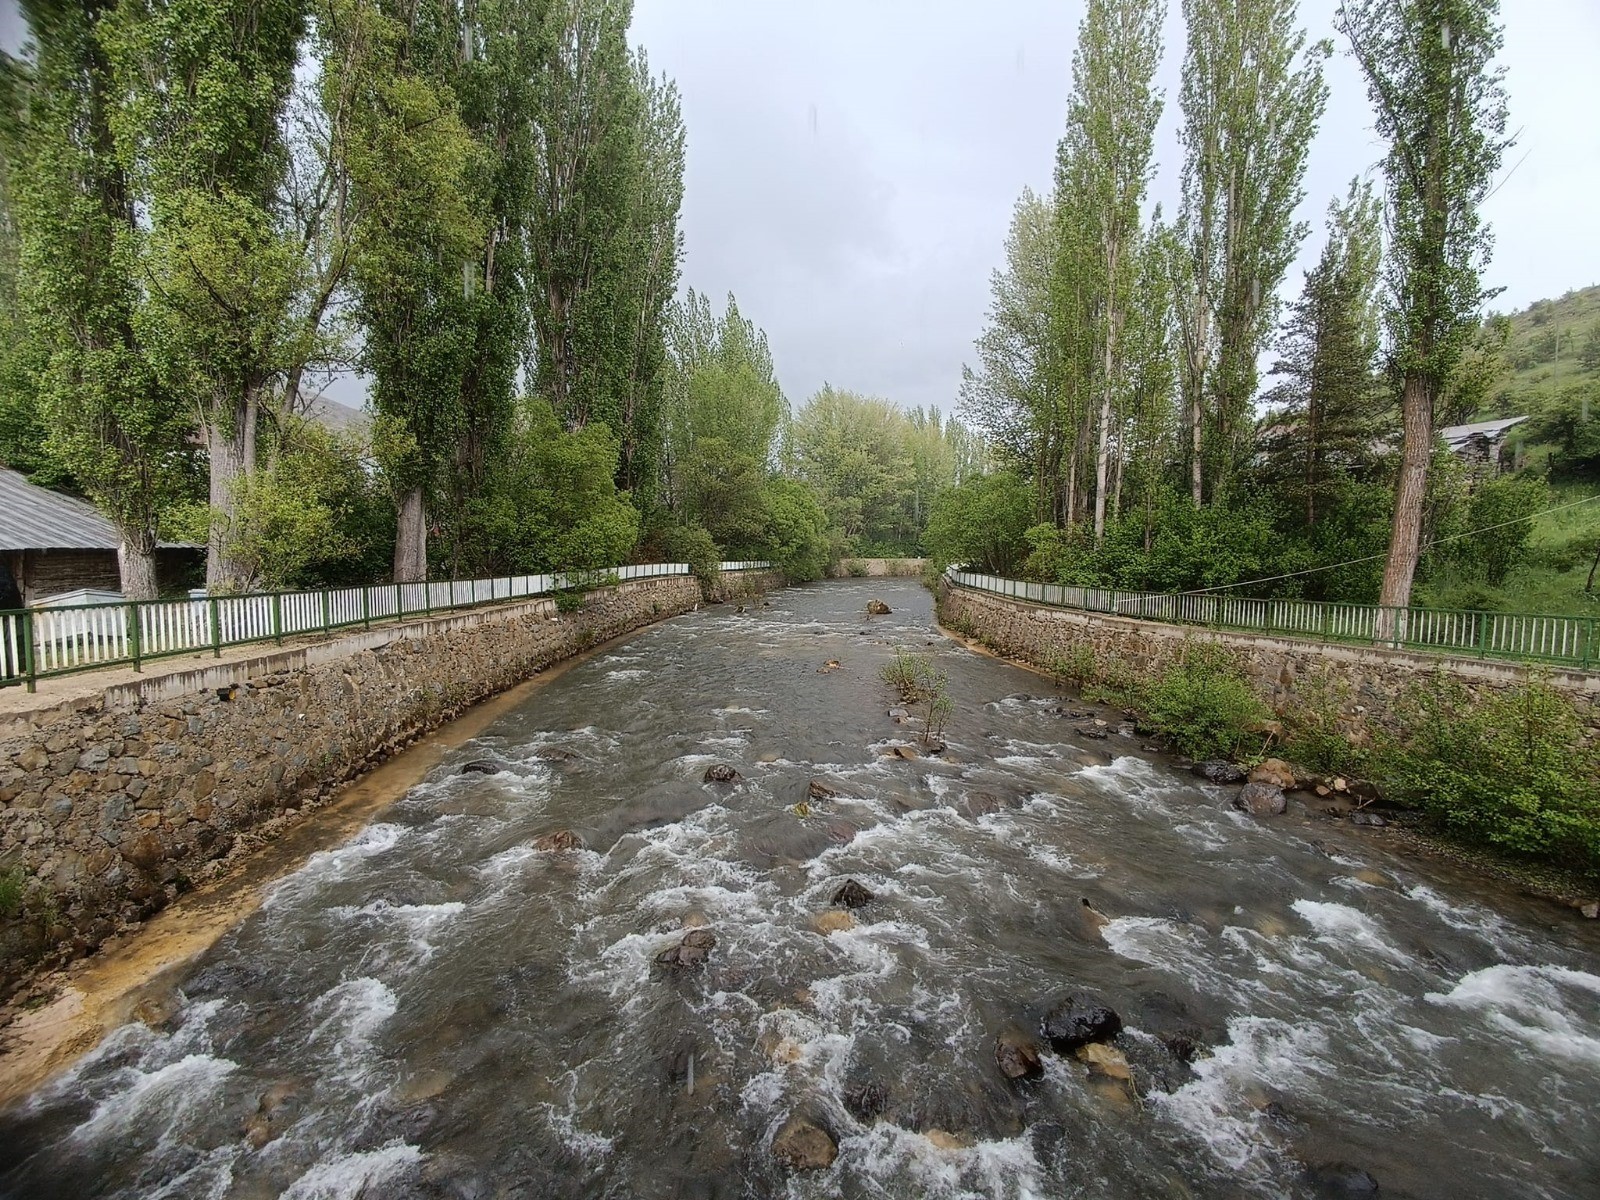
column 1194, row 449
column 136, row 564
column 233, row 455
column 411, row 538
column 1416, row 451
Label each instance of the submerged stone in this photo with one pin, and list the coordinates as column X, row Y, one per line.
column 722, row 773
column 691, row 952
column 480, row 766
column 559, row 841
column 803, row 1145
column 866, row 1101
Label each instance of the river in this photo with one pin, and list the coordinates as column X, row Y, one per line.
column 436, row 1009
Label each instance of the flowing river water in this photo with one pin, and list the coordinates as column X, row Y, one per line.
column 438, row 1009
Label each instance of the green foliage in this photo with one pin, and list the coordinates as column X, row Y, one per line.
column 796, row 531
column 981, row 523
column 569, row 600
column 13, row 887
column 1315, row 734
column 923, row 688
column 1509, row 504
column 551, row 501
column 1507, row 769
column 1203, row 704
column 693, row 545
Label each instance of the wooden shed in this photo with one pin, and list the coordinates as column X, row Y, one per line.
column 52, row 543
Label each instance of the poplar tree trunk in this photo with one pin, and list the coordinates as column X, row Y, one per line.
column 136, row 564
column 232, row 450
column 411, row 538
column 1405, row 543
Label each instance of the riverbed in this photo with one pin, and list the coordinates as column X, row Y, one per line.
column 438, row 1008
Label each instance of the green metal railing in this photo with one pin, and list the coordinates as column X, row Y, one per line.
column 41, row 642
column 1528, row 637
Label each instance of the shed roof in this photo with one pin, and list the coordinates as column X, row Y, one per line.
column 1455, row 435
column 36, row 518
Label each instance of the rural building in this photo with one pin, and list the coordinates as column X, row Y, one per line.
column 52, row 544
column 1479, row 443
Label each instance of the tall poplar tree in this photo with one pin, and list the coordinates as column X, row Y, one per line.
column 112, row 422
column 1441, row 104
column 1252, row 95
column 202, row 87
column 1111, row 121
column 418, row 259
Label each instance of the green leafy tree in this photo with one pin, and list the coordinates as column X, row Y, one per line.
column 1429, row 66
column 114, row 425
column 1111, row 121
column 1252, row 95
column 1329, row 409
column 981, row 523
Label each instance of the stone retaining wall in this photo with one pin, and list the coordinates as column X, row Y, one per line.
column 1364, row 681
column 111, row 802
column 740, row 585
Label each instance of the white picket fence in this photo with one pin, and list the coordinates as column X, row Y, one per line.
column 40, row 642
column 1573, row 641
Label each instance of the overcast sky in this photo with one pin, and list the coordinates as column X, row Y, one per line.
column 853, row 164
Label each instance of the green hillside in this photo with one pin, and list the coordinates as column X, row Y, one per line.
column 1552, row 374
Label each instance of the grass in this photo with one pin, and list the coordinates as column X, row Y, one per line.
column 1551, row 579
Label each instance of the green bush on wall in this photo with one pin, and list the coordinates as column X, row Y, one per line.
column 1507, row 769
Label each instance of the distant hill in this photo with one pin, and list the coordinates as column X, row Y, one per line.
column 1553, row 375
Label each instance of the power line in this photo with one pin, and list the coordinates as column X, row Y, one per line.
column 1455, row 537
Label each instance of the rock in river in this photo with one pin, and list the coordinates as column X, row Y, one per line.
column 1218, row 770
column 866, row 1101
column 817, row 790
column 835, row 920
column 852, row 895
column 1261, row 800
column 803, row 1145
column 1274, row 771
column 878, row 608
column 560, row 840
column 1079, row 1021
column 722, row 773
column 1370, row 819
column 1340, row 1179
column 1017, row 1056
column 480, row 766
column 691, row 952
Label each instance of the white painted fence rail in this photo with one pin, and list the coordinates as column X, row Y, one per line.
column 40, row 642
column 1571, row 641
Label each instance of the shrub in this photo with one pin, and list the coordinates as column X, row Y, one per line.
column 1203, row 704
column 921, row 685
column 12, row 885
column 693, row 545
column 1508, row 769
column 569, row 600
column 981, row 523
column 1316, row 739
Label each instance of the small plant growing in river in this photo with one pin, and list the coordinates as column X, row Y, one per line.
column 921, row 686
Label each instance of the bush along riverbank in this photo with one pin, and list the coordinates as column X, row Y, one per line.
column 1504, row 781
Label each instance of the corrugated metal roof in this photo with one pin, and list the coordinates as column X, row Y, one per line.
column 1490, row 429
column 35, row 518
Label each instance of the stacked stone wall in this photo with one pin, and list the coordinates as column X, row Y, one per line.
column 1364, row 682
column 112, row 802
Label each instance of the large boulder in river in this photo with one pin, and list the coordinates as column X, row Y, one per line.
column 721, row 773
column 803, row 1145
column 481, row 766
column 1261, row 800
column 817, row 790
column 852, row 895
column 1078, row 1021
column 1218, row 770
column 1340, row 1179
column 878, row 608
column 1274, row 771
